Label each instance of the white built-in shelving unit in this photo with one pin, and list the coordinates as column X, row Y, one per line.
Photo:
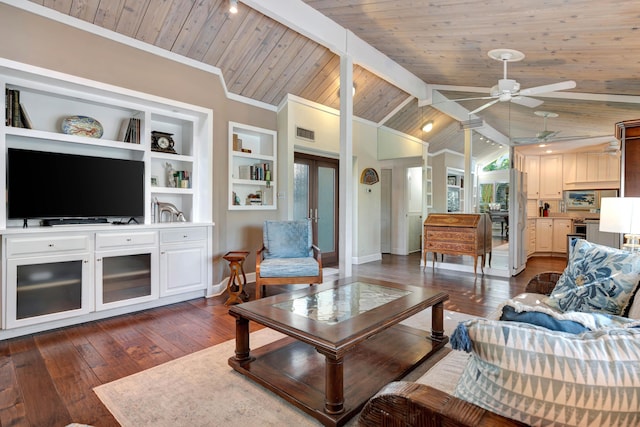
column 252, row 167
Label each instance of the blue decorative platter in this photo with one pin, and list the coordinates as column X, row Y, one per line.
column 82, row 126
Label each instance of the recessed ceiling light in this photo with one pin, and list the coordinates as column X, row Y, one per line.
column 233, row 6
column 427, row 126
column 549, row 151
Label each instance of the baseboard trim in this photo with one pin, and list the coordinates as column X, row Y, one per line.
column 220, row 288
column 366, row 258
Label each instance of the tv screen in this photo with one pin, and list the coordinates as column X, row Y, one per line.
column 54, row 185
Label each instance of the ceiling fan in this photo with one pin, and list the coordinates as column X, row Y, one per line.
column 545, row 136
column 509, row 89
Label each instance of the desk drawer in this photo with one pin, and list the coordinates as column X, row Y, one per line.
column 112, row 240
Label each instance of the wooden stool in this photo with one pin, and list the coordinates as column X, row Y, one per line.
column 235, row 286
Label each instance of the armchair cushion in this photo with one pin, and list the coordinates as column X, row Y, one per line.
column 597, row 279
column 287, row 239
column 289, row 267
column 543, row 377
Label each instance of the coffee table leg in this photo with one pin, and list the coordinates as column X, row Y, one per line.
column 334, row 387
column 242, row 339
column 437, row 322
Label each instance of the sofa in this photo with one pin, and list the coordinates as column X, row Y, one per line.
column 565, row 352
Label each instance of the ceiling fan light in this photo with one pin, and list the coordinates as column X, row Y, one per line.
column 428, row 126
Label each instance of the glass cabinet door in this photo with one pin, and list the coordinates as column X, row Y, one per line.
column 45, row 289
column 126, row 277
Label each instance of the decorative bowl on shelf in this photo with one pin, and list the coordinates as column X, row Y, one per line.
column 82, row 126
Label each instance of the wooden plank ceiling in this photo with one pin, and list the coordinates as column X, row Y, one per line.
column 444, row 43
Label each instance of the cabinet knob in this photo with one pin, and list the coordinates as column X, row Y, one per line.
column 128, row 239
column 51, row 245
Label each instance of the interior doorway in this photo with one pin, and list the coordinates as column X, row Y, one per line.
column 315, row 196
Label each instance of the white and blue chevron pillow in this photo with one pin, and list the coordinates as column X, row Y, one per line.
column 597, row 279
column 551, row 378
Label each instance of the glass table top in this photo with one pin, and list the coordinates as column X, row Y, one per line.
column 345, row 302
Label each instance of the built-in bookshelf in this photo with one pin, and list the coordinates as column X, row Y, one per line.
column 38, row 104
column 252, row 167
column 57, row 276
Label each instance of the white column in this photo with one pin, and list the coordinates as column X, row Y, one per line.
column 468, row 182
column 345, row 198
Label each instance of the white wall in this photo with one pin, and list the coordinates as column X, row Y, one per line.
column 394, row 145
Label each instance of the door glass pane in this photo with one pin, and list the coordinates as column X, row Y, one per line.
column 48, row 288
column 326, row 206
column 125, row 277
column 300, row 191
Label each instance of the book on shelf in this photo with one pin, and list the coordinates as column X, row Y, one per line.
column 130, row 131
column 244, row 172
column 26, row 120
column 15, row 112
column 257, row 172
column 183, row 179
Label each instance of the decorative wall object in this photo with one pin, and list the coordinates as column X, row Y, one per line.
column 369, row 176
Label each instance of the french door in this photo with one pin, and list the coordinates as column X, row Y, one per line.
column 315, row 196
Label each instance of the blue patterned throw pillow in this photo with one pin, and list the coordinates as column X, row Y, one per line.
column 551, row 378
column 597, row 279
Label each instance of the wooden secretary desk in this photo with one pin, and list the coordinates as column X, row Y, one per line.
column 458, row 234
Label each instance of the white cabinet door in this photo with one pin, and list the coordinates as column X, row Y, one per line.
column 544, row 235
column 532, row 166
column 126, row 276
column 551, row 177
column 183, row 268
column 561, row 227
column 531, row 230
column 42, row 289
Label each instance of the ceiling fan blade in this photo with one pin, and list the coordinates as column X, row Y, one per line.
column 472, row 99
column 526, row 101
column 525, row 141
column 569, row 84
column 487, row 105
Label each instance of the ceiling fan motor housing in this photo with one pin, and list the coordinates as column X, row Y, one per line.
column 508, row 85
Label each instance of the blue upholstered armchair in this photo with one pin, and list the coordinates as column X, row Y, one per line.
column 288, row 255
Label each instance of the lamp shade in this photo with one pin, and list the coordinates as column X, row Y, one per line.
column 620, row 215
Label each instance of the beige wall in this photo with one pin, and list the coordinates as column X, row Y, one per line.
column 35, row 40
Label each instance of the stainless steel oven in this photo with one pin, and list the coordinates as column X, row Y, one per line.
column 579, row 227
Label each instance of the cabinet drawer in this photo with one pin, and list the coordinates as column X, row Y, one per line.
column 18, row 246
column 111, row 240
column 183, row 235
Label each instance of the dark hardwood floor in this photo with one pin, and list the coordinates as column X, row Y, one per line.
column 46, row 379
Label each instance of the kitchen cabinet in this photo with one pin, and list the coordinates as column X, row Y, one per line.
column 531, row 233
column 550, row 177
column 561, row 227
column 532, row 167
column 584, row 171
column 544, row 235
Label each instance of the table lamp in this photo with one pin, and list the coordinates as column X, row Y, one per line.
column 622, row 215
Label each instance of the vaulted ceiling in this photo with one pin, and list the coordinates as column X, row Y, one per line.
column 444, row 43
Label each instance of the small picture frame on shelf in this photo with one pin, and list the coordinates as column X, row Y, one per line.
column 451, row 180
column 154, row 181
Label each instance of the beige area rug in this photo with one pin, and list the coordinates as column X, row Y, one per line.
column 201, row 389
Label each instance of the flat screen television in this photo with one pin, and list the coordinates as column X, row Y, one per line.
column 44, row 185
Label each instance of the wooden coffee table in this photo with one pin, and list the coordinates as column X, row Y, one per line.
column 344, row 343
